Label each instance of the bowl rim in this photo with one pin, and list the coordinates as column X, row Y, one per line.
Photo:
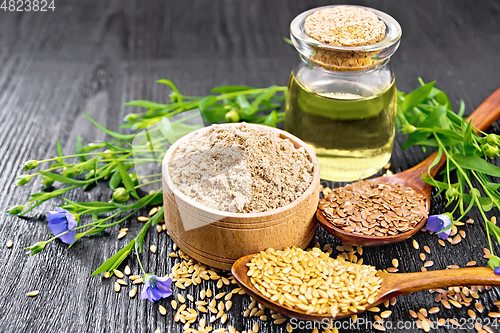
column 167, row 181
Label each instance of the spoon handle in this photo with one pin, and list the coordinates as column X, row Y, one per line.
column 482, row 118
column 395, row 284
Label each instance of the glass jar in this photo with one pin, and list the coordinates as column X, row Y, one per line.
column 342, row 101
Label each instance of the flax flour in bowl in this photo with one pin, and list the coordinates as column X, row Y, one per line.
column 240, row 169
column 236, row 189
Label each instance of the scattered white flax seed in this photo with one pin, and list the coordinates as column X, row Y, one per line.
column 118, row 273
column 121, row 282
column 122, row 234
column 132, row 292
column 386, row 314
column 159, row 228
column 117, row 287
column 428, row 263
column 9, row 243
column 152, row 248
column 415, row 244
column 127, row 270
column 162, row 309
column 153, row 211
column 106, row 275
column 33, row 293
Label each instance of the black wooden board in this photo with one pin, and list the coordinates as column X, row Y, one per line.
column 95, row 55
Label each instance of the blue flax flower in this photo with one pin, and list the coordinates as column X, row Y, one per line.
column 156, row 287
column 436, row 223
column 61, row 221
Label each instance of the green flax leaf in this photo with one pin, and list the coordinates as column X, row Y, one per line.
column 115, row 260
column 63, row 179
column 127, row 181
column 477, row 164
column 110, row 132
column 417, row 96
column 78, row 148
column 229, row 89
column 429, row 122
column 146, row 104
column 115, row 180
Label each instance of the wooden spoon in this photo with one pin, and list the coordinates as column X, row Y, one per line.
column 393, row 284
column 482, row 118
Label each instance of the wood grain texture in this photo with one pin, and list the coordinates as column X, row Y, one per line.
column 95, row 55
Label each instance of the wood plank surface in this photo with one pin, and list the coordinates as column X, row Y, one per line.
column 96, row 55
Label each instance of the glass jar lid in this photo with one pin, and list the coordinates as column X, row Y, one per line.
column 346, row 58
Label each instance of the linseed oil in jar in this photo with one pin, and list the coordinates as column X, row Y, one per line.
column 342, row 96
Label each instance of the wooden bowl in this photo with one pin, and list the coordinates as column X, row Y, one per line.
column 224, row 237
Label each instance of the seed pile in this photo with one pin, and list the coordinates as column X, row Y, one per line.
column 373, row 209
column 313, row 282
column 240, row 169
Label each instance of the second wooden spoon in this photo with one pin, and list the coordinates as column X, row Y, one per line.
column 482, row 118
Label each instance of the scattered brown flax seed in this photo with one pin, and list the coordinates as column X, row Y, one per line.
column 395, row 263
column 427, row 249
column 422, row 256
column 117, row 287
column 143, row 219
column 132, row 292
column 434, row 310
column 428, row 263
column 471, row 263
column 127, row 270
column 441, row 242
column 152, row 248
column 415, row 244
column 9, row 243
column 122, row 234
column 162, row 309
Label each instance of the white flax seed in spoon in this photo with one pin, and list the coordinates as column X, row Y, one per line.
column 313, row 282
